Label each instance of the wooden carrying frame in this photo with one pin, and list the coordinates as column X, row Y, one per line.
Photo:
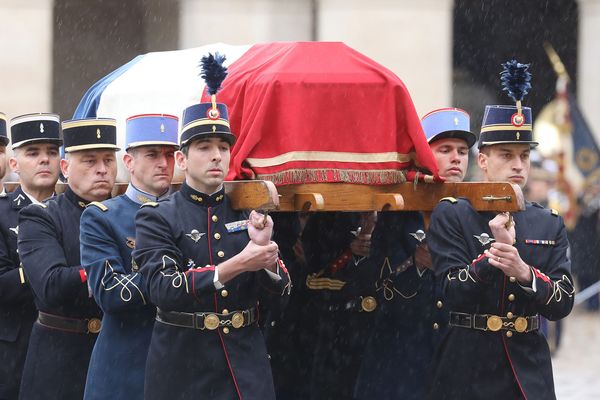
column 263, row 195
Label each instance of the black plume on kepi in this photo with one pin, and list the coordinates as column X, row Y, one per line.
column 213, row 72
column 509, row 124
column 516, row 82
column 206, row 120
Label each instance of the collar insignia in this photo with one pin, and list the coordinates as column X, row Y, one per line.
column 143, row 199
column 195, row 235
column 19, row 199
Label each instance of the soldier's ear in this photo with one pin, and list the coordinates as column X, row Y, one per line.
column 12, row 163
column 181, row 160
column 482, row 161
column 64, row 167
column 128, row 162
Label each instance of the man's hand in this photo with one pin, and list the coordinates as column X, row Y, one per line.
column 499, row 229
column 507, row 259
column 260, row 228
column 423, row 257
column 253, row 258
column 256, row 257
column 361, row 245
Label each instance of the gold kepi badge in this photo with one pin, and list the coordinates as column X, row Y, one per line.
column 494, row 323
column 211, row 322
column 94, row 325
column 368, row 303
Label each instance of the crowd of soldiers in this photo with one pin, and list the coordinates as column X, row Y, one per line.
column 157, row 295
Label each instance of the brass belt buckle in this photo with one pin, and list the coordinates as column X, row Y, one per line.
column 494, row 323
column 211, row 322
column 521, row 324
column 94, row 325
column 237, row 320
column 368, row 303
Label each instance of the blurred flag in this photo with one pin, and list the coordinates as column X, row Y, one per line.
column 564, row 114
column 569, row 118
column 586, row 153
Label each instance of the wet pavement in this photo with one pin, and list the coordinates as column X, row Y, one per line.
column 577, row 362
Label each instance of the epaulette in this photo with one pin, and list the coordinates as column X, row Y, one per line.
column 150, row 204
column 99, row 205
column 450, row 199
column 554, row 212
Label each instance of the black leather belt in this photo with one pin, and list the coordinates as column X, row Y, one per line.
column 359, row 304
column 74, row 325
column 494, row 323
column 207, row 320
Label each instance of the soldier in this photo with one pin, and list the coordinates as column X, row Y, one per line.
column 412, row 318
column 69, row 320
column 204, row 273
column 36, row 159
column 341, row 292
column 289, row 331
column 500, row 274
column 107, row 240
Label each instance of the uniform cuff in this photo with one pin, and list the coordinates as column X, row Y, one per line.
column 533, row 288
column 218, row 285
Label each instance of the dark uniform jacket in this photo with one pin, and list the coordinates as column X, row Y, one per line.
column 340, row 286
column 119, row 357
column 478, row 364
column 409, row 323
column 57, row 359
column 17, row 311
column 179, row 241
column 290, row 328
column 335, row 288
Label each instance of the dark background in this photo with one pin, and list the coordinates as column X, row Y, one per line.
column 488, row 33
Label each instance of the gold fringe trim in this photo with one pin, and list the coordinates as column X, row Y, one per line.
column 370, row 177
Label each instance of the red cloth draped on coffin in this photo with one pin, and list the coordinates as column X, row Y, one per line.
column 313, row 112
